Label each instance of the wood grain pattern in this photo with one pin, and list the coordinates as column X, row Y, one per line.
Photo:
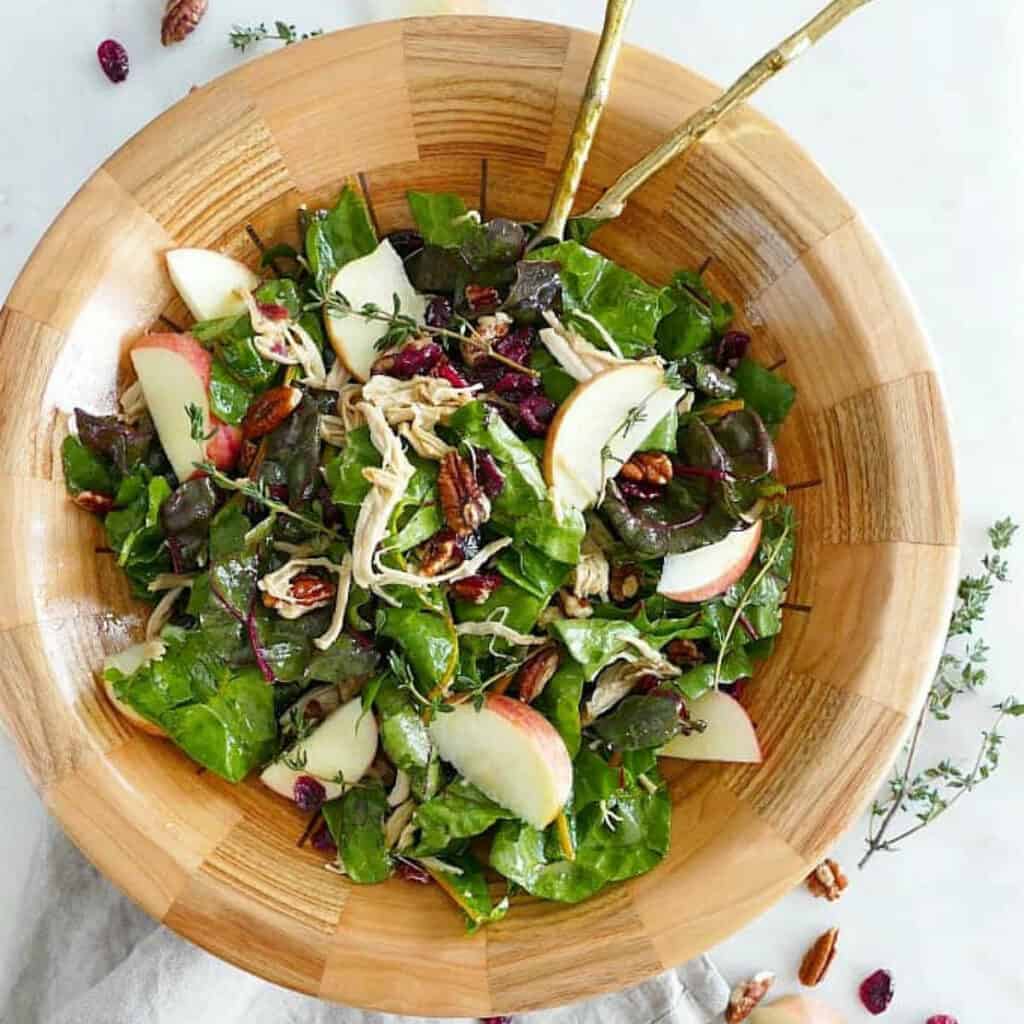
column 465, row 105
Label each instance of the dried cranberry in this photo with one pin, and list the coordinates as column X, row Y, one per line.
column 876, row 992
column 406, row 243
column 439, row 311
column 941, row 1018
column 495, row 1020
column 323, row 840
column 273, row 311
column 490, row 478
column 639, row 490
column 514, row 385
column 482, row 298
column 415, row 360
column 411, row 872
column 309, row 793
column 313, row 711
column 446, row 371
column 537, row 412
column 516, row 345
column 113, row 58
column 476, row 588
column 732, row 347
column 736, row 690
column 279, row 492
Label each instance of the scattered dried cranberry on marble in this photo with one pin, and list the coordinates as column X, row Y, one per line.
column 876, row 992
column 941, row 1018
column 113, row 58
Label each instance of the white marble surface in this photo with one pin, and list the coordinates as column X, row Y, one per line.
column 915, row 110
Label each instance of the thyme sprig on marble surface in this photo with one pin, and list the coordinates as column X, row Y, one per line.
column 244, row 36
column 925, row 795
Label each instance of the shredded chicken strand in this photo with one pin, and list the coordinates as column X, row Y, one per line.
column 337, row 623
column 499, row 629
column 132, row 402
column 286, row 342
column 396, row 823
column 167, row 581
column 349, row 397
column 277, row 585
column 619, row 678
column 592, row 573
column 332, row 430
column 577, row 356
column 162, row 613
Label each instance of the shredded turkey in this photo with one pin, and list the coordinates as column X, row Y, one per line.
column 287, row 342
column 162, row 613
column 577, row 356
column 468, row 568
column 396, row 823
column 501, row 631
column 618, row 680
column 417, row 407
column 349, row 397
column 332, row 430
column 337, row 377
column 400, row 790
column 277, row 585
column 613, row 345
column 592, row 572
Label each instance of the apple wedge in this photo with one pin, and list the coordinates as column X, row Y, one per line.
column 342, row 746
column 174, row 372
column 698, row 575
column 376, row 279
column 729, row 735
column 795, row 1010
column 127, row 662
column 511, row 753
column 209, row 282
column 600, row 425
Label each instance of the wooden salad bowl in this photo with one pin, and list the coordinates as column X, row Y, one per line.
column 482, row 107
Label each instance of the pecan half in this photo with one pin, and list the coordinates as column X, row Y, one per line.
column 92, row 501
column 818, row 958
column 683, row 652
column 307, row 590
column 648, row 468
column 270, row 410
column 624, row 584
column 536, row 673
column 827, row 880
column 180, row 19
column 439, row 554
column 746, row 995
column 466, row 508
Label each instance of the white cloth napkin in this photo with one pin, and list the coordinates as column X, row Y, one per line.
column 89, row 956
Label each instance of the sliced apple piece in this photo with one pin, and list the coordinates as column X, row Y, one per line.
column 598, row 428
column 729, row 736
column 377, row 279
column 281, row 779
column 711, row 570
column 174, row 373
column 511, row 753
column 795, row 1010
column 209, row 282
column 127, row 662
column 342, row 746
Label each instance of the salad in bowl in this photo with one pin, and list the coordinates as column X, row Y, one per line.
column 449, row 538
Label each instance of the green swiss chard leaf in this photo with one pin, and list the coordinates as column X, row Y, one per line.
column 595, row 288
column 134, row 531
column 593, row 779
column 404, row 737
column 229, row 400
column 531, row 569
column 356, row 823
column 84, row 470
column 533, row 861
column 697, row 681
column 428, row 642
column 347, row 658
column 559, row 703
column 768, row 394
column 442, row 219
column 698, row 317
column 222, row 718
column 467, row 886
column 420, row 527
column 459, row 811
column 640, row 722
column 634, row 839
column 343, row 235
column 344, row 472
column 523, row 509
column 663, row 437
column 521, row 609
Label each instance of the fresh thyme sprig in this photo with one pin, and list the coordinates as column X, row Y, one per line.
column 257, row 492
column 242, row 37
column 770, row 558
column 197, row 423
column 433, row 704
column 928, row 794
column 296, row 761
column 402, row 326
column 635, row 415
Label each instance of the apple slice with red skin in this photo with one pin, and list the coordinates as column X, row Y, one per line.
column 210, row 283
column 729, row 736
column 709, row 571
column 174, row 372
column 511, row 753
